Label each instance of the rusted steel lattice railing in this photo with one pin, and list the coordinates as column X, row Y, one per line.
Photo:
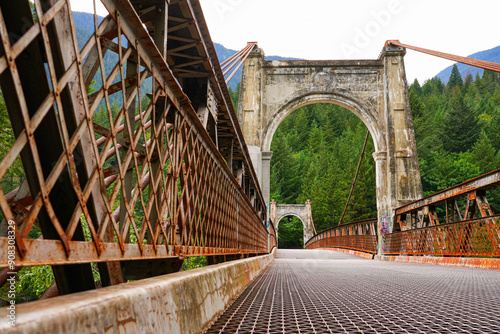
column 476, row 237
column 360, row 236
column 107, row 181
column 468, row 228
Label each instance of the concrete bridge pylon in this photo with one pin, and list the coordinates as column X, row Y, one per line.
column 374, row 90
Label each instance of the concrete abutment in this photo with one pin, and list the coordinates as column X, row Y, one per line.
column 183, row 302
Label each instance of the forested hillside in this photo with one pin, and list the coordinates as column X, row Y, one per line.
column 316, row 149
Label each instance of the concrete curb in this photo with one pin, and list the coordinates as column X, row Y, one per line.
column 183, row 302
column 351, row 252
column 484, row 263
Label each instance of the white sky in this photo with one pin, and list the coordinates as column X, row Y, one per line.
column 356, row 29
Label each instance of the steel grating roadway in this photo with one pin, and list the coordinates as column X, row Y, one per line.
column 311, row 291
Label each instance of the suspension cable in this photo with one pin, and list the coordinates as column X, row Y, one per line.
column 487, row 65
column 233, row 60
column 355, row 177
column 236, row 61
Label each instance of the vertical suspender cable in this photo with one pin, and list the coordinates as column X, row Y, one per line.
column 355, row 177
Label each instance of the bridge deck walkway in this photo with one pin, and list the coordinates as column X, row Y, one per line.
column 314, row 291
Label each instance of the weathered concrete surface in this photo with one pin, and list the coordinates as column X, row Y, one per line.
column 301, row 211
column 183, row 302
column 374, row 90
column 483, row 263
column 351, row 252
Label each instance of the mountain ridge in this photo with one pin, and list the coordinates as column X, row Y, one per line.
column 492, row 55
column 84, row 23
column 224, row 53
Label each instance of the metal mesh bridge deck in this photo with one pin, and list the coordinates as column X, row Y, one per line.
column 308, row 291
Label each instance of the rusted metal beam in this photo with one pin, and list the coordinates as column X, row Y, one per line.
column 363, row 243
column 222, row 92
column 52, row 252
column 52, row 291
column 238, row 61
column 483, row 182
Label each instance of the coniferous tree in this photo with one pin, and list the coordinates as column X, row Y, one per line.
column 461, row 125
column 468, row 82
column 494, row 130
column 484, row 154
column 416, row 105
column 416, row 88
column 438, row 85
column 235, row 96
column 455, row 78
column 302, row 129
column 286, row 167
column 479, row 85
column 315, row 139
column 427, row 88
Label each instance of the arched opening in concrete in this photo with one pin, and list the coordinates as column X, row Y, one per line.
column 363, row 112
column 290, row 232
column 320, row 163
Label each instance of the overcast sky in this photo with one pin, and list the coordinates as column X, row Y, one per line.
column 353, row 29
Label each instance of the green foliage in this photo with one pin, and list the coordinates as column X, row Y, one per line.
column 316, row 152
column 235, row 96
column 31, row 282
column 485, row 156
column 460, row 128
column 290, row 233
column 15, row 174
column 194, row 262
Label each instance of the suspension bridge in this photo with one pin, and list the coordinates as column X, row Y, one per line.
column 127, row 157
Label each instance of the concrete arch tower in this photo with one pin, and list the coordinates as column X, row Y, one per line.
column 374, row 90
column 302, row 211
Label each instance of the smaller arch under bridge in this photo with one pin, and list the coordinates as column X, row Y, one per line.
column 301, row 211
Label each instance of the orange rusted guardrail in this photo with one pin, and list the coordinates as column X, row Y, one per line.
column 467, row 228
column 360, row 236
column 476, row 237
